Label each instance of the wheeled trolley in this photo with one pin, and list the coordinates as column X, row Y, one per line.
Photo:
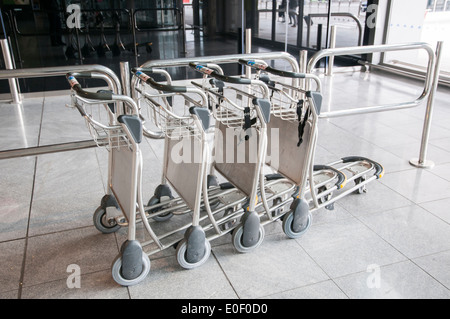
column 295, row 114
column 120, row 132
column 226, row 203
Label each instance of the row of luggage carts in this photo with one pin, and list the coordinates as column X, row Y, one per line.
column 238, row 155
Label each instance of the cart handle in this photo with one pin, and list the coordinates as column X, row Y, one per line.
column 265, row 67
column 102, row 95
column 205, row 70
column 158, row 86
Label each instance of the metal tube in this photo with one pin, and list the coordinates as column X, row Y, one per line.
column 61, row 71
column 15, row 96
column 183, row 24
column 381, row 48
column 332, row 46
column 248, row 50
column 338, row 14
column 125, row 77
column 422, row 162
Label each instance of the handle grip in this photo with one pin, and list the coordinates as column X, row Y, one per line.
column 158, row 86
column 205, row 70
column 102, row 95
column 261, row 66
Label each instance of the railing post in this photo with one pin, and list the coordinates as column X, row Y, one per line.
column 248, row 49
column 15, row 96
column 422, row 162
column 332, row 46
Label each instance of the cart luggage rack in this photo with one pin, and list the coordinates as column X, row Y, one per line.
column 173, row 125
column 105, row 135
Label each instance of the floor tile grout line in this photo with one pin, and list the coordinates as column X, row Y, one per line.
column 321, row 268
column 425, row 271
column 225, row 274
column 22, row 271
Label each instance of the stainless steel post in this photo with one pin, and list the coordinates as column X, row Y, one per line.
column 303, row 63
column 15, row 96
column 125, row 78
column 183, row 24
column 422, row 162
column 332, row 46
column 248, row 50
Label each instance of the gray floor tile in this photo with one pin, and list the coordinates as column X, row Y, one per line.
column 68, row 189
column 97, row 285
column 322, row 290
column 20, row 124
column 346, row 246
column 439, row 208
column 48, row 256
column 417, row 185
column 13, row 294
column 16, row 182
column 61, row 124
column 442, row 143
column 402, row 280
column 442, row 170
column 412, row 230
column 11, row 255
column 377, row 199
column 279, row 264
column 437, row 265
column 167, row 280
column 409, row 151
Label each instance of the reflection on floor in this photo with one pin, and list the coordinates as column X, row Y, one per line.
column 399, row 230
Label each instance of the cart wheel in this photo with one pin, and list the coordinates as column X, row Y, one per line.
column 104, row 225
column 117, row 271
column 278, row 211
column 229, row 224
column 325, row 198
column 287, row 226
column 160, row 218
column 363, row 188
column 181, row 255
column 237, row 239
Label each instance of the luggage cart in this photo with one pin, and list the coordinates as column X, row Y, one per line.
column 295, row 110
column 276, row 191
column 120, row 133
column 231, row 202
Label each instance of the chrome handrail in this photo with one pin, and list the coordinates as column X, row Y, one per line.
column 378, row 49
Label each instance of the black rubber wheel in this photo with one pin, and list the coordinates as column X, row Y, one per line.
column 160, row 218
column 102, row 224
column 287, row 226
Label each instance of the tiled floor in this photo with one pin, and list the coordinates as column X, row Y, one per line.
column 392, row 242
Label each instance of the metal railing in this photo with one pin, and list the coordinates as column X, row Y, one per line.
column 95, row 71
column 335, row 14
column 429, row 90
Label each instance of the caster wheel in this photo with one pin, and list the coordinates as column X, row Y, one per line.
column 363, row 188
column 117, row 271
column 287, row 226
column 104, row 225
column 160, row 218
column 181, row 255
column 237, row 239
column 229, row 224
column 277, row 211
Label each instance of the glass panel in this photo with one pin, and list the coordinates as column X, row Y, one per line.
column 265, row 19
column 425, row 21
